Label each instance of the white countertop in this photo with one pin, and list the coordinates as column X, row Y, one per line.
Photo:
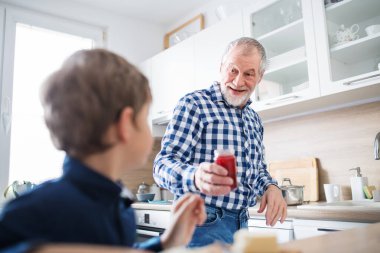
column 358, row 214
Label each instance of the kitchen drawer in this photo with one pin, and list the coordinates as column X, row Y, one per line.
column 310, row 228
column 283, row 235
column 260, row 222
column 284, row 232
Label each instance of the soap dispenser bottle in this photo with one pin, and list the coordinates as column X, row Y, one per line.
column 357, row 183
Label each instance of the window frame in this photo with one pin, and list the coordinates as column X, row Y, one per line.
column 9, row 17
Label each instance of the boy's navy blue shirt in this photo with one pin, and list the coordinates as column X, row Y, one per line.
column 82, row 206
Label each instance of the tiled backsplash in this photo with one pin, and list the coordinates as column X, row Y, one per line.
column 133, row 178
column 341, row 139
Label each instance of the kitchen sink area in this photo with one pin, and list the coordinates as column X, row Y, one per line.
column 343, row 205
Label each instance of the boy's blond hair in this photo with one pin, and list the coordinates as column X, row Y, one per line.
column 85, row 97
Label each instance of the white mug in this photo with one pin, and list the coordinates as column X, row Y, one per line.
column 332, row 192
column 376, row 195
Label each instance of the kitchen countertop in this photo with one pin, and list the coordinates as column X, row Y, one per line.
column 353, row 215
column 363, row 239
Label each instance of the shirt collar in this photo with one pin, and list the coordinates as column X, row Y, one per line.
column 92, row 183
column 217, row 96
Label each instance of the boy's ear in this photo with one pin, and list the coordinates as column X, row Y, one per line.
column 125, row 124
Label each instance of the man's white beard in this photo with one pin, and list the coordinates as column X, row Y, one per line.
column 236, row 101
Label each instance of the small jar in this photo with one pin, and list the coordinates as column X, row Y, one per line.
column 143, row 188
column 226, row 159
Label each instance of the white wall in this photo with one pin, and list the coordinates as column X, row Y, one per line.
column 209, row 12
column 134, row 39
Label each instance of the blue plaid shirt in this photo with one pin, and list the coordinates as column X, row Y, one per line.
column 203, row 122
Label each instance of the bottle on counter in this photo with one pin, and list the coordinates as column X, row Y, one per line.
column 357, row 184
column 156, row 190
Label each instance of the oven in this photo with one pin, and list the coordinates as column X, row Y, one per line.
column 151, row 223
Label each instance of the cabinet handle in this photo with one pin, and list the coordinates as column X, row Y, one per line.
column 6, row 115
column 361, row 79
column 147, row 232
column 282, row 100
column 327, row 229
column 164, row 112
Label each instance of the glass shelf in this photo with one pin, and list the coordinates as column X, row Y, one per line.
column 353, row 59
column 291, row 36
column 289, row 77
column 357, row 50
column 274, row 16
column 286, row 59
column 352, row 11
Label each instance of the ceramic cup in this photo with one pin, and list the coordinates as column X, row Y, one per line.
column 332, row 192
column 372, row 29
column 376, row 195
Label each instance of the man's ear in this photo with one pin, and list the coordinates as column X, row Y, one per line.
column 125, row 125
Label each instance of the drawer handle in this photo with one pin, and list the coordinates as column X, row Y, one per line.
column 327, row 229
column 361, row 79
column 146, row 232
column 282, row 100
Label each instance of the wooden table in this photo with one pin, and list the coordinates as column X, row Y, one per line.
column 358, row 240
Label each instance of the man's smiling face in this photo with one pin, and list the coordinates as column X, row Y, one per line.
column 240, row 73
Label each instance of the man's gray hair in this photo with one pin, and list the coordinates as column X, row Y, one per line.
column 248, row 44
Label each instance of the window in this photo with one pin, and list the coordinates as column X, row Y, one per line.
column 34, row 46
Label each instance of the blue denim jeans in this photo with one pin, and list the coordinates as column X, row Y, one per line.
column 220, row 226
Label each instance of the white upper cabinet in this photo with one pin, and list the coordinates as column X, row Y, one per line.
column 285, row 29
column 210, row 45
column 172, row 76
column 146, row 68
column 2, row 21
column 349, row 48
column 319, row 56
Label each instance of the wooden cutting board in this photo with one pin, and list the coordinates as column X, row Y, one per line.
column 301, row 172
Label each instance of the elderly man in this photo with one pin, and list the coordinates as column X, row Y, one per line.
column 220, row 118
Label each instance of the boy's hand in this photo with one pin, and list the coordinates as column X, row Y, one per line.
column 188, row 212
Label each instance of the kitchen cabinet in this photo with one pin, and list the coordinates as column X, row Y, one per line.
column 4, row 114
column 172, row 76
column 2, row 32
column 307, row 70
column 284, row 232
column 146, row 68
column 210, row 45
column 349, row 56
column 285, row 29
column 310, row 228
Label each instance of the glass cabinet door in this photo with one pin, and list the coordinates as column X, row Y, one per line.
column 352, row 53
column 285, row 30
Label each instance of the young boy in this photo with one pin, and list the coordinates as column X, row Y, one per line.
column 96, row 109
